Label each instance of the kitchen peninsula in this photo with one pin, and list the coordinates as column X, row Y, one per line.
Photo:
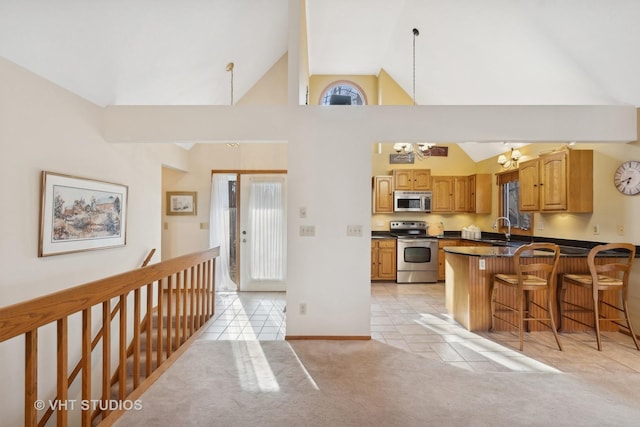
column 468, row 278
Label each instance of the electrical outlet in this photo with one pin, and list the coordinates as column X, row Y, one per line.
column 596, row 229
column 540, row 224
column 482, row 264
column 204, row 226
column 354, row 230
column 303, row 212
column 307, row 230
column 303, row 308
column 620, row 230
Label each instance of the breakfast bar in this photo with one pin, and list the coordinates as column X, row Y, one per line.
column 469, row 270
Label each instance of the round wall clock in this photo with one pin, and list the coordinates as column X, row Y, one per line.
column 627, row 178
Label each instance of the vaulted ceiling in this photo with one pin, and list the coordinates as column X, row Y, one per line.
column 468, row 52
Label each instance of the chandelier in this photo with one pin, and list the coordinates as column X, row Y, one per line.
column 421, row 150
column 511, row 161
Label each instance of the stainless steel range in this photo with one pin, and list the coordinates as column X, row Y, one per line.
column 417, row 258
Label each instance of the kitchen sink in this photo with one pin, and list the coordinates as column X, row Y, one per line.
column 495, row 241
column 500, row 242
column 573, row 250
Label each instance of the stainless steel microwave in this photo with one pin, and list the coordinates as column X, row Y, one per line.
column 412, row 201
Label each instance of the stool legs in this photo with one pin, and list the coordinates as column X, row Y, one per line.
column 625, row 307
column 550, row 304
column 596, row 315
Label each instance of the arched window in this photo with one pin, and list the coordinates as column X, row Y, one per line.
column 343, row 93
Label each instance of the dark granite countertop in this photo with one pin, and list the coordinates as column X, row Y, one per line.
column 508, row 251
column 501, row 247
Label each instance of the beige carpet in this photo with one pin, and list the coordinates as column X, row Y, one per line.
column 337, row 383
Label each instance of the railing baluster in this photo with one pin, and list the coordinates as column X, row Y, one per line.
column 136, row 338
column 192, row 309
column 159, row 316
column 86, row 364
column 209, row 292
column 62, row 380
column 185, row 314
column 106, row 354
column 122, row 351
column 198, row 296
column 149, row 347
column 201, row 306
column 207, row 314
column 178, row 296
column 213, row 287
column 30, row 377
column 170, row 280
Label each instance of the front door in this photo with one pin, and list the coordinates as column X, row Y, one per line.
column 263, row 232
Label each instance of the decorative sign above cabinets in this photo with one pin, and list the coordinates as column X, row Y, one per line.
column 401, row 159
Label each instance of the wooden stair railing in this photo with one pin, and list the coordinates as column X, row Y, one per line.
column 192, row 275
column 96, row 339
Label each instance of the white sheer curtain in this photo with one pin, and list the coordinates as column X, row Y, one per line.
column 267, row 222
column 219, row 229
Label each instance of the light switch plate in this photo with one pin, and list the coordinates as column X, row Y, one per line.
column 354, row 230
column 307, row 230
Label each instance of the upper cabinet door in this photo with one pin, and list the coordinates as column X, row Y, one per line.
column 382, row 194
column 403, row 179
column 529, row 177
column 412, row 179
column 422, row 179
column 461, row 193
column 553, row 182
column 443, row 188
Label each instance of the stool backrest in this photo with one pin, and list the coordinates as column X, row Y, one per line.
column 620, row 265
column 545, row 266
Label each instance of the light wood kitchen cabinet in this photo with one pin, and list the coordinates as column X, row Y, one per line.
column 412, row 179
column 383, row 259
column 560, row 181
column 529, row 178
column 480, row 193
column 461, row 194
column 443, row 189
column 443, row 243
column 382, row 194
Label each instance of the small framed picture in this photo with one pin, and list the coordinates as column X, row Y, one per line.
column 182, row 203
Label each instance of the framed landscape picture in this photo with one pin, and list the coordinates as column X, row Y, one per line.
column 182, row 202
column 80, row 214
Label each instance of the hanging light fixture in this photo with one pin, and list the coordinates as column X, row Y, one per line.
column 230, row 69
column 416, row 33
column 422, row 150
column 511, row 161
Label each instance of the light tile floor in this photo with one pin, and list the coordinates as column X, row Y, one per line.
column 247, row 316
column 412, row 317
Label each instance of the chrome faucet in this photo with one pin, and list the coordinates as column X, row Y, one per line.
column 507, row 235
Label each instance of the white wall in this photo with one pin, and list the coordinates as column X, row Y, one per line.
column 43, row 127
column 330, row 272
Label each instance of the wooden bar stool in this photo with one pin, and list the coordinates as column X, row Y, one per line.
column 530, row 276
column 613, row 276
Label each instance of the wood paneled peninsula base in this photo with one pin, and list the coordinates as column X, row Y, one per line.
column 468, row 279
